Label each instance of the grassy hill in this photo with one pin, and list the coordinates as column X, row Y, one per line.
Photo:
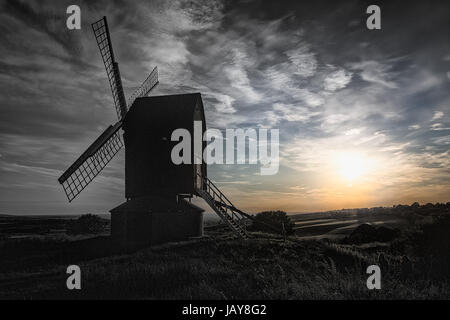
column 263, row 268
column 414, row 261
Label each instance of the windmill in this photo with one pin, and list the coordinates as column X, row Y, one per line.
column 156, row 190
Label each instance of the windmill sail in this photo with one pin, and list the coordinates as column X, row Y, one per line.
column 146, row 87
column 103, row 39
column 100, row 153
column 92, row 161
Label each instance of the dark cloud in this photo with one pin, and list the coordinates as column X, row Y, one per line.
column 50, row 21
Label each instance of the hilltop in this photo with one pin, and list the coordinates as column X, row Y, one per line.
column 414, row 258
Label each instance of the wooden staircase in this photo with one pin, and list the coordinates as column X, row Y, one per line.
column 233, row 218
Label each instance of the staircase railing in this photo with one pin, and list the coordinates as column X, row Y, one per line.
column 233, row 217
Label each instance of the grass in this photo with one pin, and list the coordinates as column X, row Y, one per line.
column 414, row 265
column 226, row 269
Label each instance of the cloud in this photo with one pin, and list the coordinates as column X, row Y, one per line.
column 303, row 59
column 224, row 103
column 337, row 80
column 238, row 77
column 414, row 127
column 289, row 112
column 46, row 20
column 354, row 131
column 437, row 115
column 375, row 72
column 239, row 80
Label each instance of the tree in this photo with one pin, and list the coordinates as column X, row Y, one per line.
column 87, row 224
column 273, row 221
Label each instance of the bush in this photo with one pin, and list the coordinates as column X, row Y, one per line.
column 430, row 244
column 433, row 239
column 87, row 224
column 366, row 233
column 273, row 222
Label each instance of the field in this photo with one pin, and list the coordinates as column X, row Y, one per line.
column 323, row 259
column 336, row 225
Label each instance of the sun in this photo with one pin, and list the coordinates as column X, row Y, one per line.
column 351, row 166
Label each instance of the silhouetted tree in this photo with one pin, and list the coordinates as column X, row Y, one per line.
column 415, row 205
column 273, row 221
column 87, row 224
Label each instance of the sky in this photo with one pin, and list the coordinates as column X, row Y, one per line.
column 364, row 115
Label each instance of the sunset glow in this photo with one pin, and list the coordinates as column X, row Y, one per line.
column 352, row 166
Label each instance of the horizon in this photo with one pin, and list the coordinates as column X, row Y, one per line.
column 214, row 214
column 364, row 115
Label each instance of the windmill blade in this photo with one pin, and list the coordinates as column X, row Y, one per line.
column 103, row 39
column 147, row 86
column 92, row 161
